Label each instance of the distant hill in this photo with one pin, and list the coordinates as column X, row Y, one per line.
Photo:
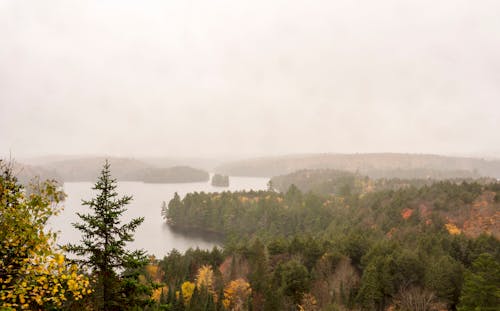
column 123, row 169
column 336, row 182
column 376, row 165
column 207, row 164
column 87, row 169
column 26, row 173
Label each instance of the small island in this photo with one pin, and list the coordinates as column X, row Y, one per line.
column 219, row 180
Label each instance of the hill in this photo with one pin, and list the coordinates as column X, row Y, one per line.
column 376, row 165
column 336, row 182
column 87, row 169
column 124, row 169
column 25, row 173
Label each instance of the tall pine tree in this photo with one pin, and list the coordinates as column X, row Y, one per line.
column 102, row 248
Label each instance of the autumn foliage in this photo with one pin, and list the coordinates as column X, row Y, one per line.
column 236, row 294
column 33, row 273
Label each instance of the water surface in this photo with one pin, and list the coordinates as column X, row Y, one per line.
column 154, row 235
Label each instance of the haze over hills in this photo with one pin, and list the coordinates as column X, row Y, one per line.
column 206, row 163
column 374, row 165
column 74, row 169
column 25, row 173
column 377, row 165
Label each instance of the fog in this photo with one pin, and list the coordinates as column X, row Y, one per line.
column 244, row 78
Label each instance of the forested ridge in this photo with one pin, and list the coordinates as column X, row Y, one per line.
column 271, row 213
column 344, row 183
column 375, row 165
column 416, row 247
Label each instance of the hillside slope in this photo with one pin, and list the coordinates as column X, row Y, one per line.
column 377, row 165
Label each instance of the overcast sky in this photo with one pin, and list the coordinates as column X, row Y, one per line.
column 206, row 78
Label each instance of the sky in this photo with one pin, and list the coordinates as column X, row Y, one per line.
column 242, row 78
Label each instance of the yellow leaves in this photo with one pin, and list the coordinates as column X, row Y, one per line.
column 156, row 295
column 205, row 277
column 59, row 259
column 72, row 285
column 243, row 199
column 452, row 229
column 236, row 294
column 33, row 272
column 187, row 289
column 154, row 272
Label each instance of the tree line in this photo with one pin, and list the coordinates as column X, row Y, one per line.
column 407, row 249
column 364, row 251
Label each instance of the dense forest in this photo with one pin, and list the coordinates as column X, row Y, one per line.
column 340, row 241
column 344, row 183
column 413, row 248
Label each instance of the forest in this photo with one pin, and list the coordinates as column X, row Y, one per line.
column 412, row 245
column 351, row 243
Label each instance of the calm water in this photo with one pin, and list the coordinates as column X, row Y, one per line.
column 153, row 235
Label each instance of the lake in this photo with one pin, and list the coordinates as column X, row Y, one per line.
column 154, row 235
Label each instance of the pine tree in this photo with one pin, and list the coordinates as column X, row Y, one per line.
column 481, row 290
column 102, row 247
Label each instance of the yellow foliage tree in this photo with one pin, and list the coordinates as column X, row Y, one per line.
column 236, row 294
column 157, row 293
column 187, row 289
column 452, row 229
column 33, row 274
column 205, row 278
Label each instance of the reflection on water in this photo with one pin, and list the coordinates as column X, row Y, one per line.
column 154, row 235
column 207, row 236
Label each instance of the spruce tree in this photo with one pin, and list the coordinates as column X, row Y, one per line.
column 102, row 247
column 481, row 290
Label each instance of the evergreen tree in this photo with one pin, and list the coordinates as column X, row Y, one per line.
column 481, row 290
column 370, row 294
column 295, row 280
column 102, row 248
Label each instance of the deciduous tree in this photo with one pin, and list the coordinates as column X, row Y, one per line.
column 33, row 273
